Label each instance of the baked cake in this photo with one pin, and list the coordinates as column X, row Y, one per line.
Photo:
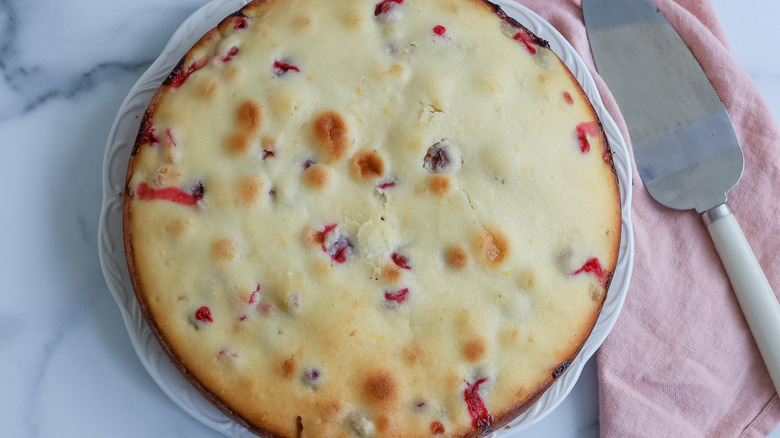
column 351, row 218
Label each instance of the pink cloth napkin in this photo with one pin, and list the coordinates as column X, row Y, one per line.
column 680, row 360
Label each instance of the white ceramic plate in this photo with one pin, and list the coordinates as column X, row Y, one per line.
column 111, row 247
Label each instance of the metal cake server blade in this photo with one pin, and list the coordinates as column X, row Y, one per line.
column 685, row 148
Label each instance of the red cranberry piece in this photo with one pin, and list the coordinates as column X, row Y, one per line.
column 397, row 296
column 593, row 266
column 255, row 302
column 340, row 248
column 560, row 369
column 480, row 417
column 567, row 97
column 343, row 250
column 268, row 153
column 254, row 297
column 204, row 315
column 525, row 38
column 272, row 193
column 307, row 163
column 386, row 6
column 265, row 309
column 240, row 23
column 148, row 133
column 172, row 194
column 439, row 30
column 180, row 74
column 227, row 57
column 321, row 237
column 584, row 130
column 437, row 159
column 401, row 261
column 386, row 185
column 171, row 140
column 311, row 378
column 226, row 352
column 437, row 428
column 282, row 68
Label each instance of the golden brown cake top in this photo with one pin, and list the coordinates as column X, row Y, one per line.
column 371, row 219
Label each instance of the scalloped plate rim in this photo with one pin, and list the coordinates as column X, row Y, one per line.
column 162, row 371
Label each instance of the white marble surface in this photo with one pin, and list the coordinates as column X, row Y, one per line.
column 68, row 367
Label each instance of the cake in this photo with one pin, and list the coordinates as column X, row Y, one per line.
column 392, row 219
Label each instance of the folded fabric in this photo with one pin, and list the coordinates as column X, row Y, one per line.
column 680, row 360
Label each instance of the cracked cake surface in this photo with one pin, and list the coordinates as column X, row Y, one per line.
column 360, row 218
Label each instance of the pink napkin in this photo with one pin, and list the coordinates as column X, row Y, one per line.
column 680, row 360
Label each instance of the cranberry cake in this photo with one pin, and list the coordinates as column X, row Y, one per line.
column 356, row 219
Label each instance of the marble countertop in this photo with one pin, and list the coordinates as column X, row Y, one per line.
column 69, row 368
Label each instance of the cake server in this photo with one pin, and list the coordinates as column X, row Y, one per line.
column 684, row 145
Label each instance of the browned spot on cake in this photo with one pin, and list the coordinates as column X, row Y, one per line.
column 232, row 73
column 391, row 274
column 456, row 257
column 302, row 21
column 240, row 142
column 475, row 349
column 209, row 89
column 328, row 408
column 298, row 427
column 493, row 246
column 454, row 380
column 330, row 129
column 416, row 355
column 395, row 71
column 240, row 329
column 527, row 279
column 380, row 386
column 178, row 226
column 314, row 238
column 249, row 120
column 354, row 19
column 223, row 249
column 316, row 176
column 368, row 165
column 596, row 292
column 522, row 394
column 440, row 184
column 249, row 189
column 268, row 142
column 416, row 144
column 509, row 335
column 289, row 367
column 282, row 103
column 249, row 116
column 387, row 423
column 322, row 268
